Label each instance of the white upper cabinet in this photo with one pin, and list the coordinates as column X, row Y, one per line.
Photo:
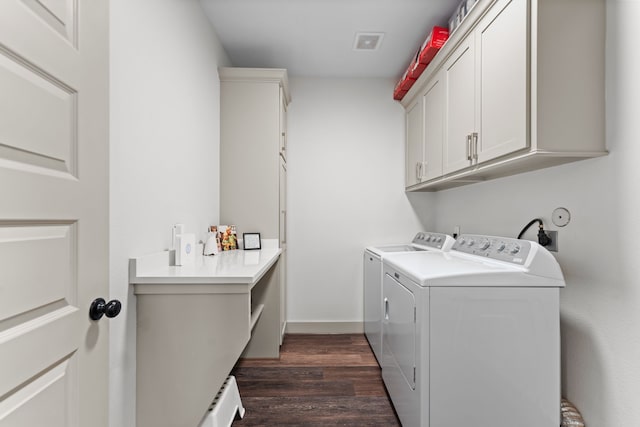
column 519, row 86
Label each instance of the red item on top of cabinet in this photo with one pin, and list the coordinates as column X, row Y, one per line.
column 415, row 68
column 432, row 44
column 399, row 94
column 403, row 86
column 421, row 59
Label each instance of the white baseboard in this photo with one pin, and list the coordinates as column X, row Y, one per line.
column 325, row 328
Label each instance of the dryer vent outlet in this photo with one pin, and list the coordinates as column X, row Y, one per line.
column 553, row 235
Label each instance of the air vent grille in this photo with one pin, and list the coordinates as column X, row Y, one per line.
column 368, row 41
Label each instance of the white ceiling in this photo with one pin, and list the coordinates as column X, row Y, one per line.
column 316, row 37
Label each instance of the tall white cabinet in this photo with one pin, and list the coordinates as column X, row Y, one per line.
column 253, row 158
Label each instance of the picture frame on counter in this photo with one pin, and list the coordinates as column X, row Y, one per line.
column 251, row 241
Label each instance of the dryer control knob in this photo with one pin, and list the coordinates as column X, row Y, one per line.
column 515, row 249
column 470, row 243
column 484, row 245
column 501, row 247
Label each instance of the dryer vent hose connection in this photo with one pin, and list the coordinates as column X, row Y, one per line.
column 570, row 415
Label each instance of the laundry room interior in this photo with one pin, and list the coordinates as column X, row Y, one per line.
column 346, row 172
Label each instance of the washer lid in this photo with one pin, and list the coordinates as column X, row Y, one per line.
column 453, row 269
column 396, row 248
column 423, row 241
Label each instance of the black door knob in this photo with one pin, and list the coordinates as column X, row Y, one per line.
column 99, row 307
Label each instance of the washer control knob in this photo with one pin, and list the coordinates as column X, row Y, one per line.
column 501, row 247
column 470, row 242
column 462, row 241
column 515, row 249
column 427, row 238
column 439, row 239
column 485, row 245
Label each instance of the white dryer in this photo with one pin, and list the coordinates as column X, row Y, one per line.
column 423, row 241
column 472, row 336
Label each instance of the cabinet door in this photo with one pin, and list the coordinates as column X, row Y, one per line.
column 282, row 266
column 283, row 125
column 282, row 203
column 415, row 142
column 501, row 43
column 433, row 130
column 283, row 244
column 459, row 78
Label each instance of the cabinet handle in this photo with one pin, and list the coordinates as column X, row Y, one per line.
column 475, row 145
column 469, row 157
column 386, row 309
column 417, row 171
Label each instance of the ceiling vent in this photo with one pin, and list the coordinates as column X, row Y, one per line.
column 368, row 41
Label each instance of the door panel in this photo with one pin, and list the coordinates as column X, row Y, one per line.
column 433, row 130
column 54, row 221
column 59, row 15
column 415, row 142
column 399, row 327
column 460, row 106
column 282, row 204
column 39, row 403
column 502, row 52
column 282, row 232
column 283, row 125
column 399, row 350
column 51, row 104
column 27, row 339
column 25, row 288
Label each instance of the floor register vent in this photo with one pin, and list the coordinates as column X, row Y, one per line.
column 225, row 405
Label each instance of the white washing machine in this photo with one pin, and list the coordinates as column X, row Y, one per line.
column 423, row 241
column 472, row 336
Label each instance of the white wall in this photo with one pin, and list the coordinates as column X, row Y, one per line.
column 600, row 307
column 164, row 151
column 346, row 191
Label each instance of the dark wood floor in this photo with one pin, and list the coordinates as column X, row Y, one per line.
column 319, row 380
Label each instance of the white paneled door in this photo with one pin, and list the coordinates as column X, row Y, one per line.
column 53, row 212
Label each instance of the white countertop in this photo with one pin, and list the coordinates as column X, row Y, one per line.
column 226, row 268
